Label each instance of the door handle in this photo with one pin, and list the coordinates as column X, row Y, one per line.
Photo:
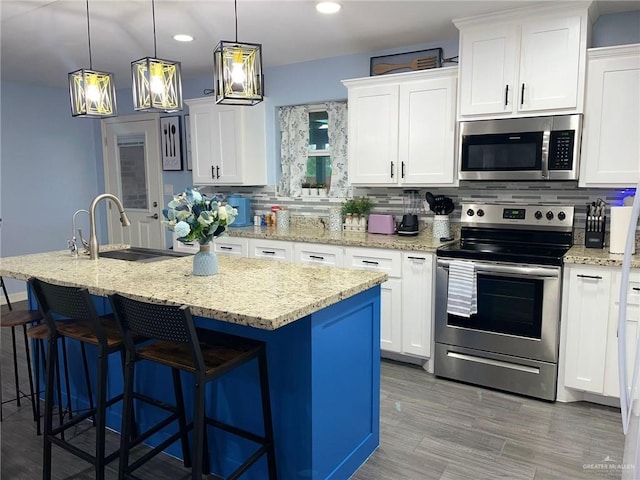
column 506, row 95
column 154, row 216
column 522, row 95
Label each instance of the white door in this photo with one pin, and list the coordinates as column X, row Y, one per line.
column 487, row 70
column 549, row 63
column 427, row 131
column 131, row 152
column 373, row 135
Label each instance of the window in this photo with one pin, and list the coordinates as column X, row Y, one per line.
column 318, row 170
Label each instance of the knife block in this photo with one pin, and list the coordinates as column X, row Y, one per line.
column 595, row 238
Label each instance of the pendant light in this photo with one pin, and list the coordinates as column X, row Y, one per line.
column 237, row 71
column 92, row 93
column 157, row 84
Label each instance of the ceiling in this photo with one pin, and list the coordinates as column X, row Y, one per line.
column 43, row 40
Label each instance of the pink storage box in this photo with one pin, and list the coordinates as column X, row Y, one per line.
column 385, row 224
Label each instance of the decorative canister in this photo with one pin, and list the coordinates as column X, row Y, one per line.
column 441, row 226
column 335, row 220
column 283, row 219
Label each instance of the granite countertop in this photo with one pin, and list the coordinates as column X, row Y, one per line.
column 258, row 293
column 423, row 242
column 578, row 254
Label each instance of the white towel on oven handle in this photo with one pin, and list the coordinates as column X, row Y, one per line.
column 462, row 296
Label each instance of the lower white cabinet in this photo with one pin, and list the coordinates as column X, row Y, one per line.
column 271, row 249
column 232, row 246
column 591, row 339
column 417, row 303
column 318, row 254
column 588, row 291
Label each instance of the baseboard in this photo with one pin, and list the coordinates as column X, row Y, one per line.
column 14, row 297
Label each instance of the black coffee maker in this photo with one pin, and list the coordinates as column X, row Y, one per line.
column 411, row 205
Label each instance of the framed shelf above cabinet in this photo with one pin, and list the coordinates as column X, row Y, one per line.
column 402, row 128
column 228, row 143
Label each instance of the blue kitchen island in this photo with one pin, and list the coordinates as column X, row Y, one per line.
column 322, row 329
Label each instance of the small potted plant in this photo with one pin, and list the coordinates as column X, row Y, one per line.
column 313, row 189
column 355, row 211
column 322, row 189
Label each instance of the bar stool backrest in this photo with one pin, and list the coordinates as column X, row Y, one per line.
column 70, row 302
column 157, row 322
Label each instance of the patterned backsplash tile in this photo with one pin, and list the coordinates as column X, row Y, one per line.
column 389, row 200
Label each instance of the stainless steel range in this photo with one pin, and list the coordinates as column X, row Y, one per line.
column 511, row 342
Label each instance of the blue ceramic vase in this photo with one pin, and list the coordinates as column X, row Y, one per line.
column 205, row 262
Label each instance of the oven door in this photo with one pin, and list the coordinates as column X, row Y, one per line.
column 518, row 311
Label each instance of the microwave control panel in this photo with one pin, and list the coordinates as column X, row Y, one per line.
column 561, row 144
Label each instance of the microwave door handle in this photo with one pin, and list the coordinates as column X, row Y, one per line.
column 544, row 159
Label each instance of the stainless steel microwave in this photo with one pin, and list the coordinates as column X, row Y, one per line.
column 535, row 148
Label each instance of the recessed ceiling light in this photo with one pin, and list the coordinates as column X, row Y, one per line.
column 327, row 7
column 181, row 37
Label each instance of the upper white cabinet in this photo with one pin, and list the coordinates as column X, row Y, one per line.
column 227, row 143
column 402, row 128
column 610, row 146
column 523, row 63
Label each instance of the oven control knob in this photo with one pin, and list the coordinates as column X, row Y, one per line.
column 480, row 212
column 561, row 216
column 538, row 215
column 470, row 213
column 549, row 215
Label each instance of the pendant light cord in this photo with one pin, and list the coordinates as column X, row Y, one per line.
column 89, row 37
column 235, row 7
column 153, row 14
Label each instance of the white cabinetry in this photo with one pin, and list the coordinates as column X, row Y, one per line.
column 389, row 262
column 523, row 63
column 318, row 254
column 610, row 146
column 402, row 128
column 417, row 303
column 588, row 291
column 227, row 143
column 271, row 249
column 591, row 316
column 232, row 246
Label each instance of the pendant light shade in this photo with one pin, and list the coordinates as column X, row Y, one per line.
column 156, row 83
column 92, row 93
column 237, row 71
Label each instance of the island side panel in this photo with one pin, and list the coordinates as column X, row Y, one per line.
column 346, row 385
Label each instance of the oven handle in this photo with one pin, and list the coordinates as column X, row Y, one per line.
column 509, row 270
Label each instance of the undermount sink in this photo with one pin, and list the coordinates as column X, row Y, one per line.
column 143, row 255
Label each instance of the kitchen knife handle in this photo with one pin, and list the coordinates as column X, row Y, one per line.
column 522, row 95
column 506, row 95
column 391, row 169
column 594, row 277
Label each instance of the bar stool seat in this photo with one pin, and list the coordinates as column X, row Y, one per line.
column 175, row 342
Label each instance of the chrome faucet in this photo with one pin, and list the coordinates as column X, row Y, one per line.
column 73, row 245
column 93, row 239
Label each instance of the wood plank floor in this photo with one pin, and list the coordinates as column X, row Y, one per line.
column 430, row 429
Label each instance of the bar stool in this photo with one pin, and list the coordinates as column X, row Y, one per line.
column 205, row 354
column 13, row 319
column 88, row 327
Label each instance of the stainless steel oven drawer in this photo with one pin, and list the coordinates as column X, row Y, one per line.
column 504, row 372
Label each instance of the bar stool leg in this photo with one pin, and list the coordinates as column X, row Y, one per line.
column 66, row 379
column 39, row 356
column 266, row 413
column 127, row 410
column 182, row 420
column 48, row 406
column 101, row 414
column 29, row 372
column 87, row 379
column 198, row 428
column 15, row 365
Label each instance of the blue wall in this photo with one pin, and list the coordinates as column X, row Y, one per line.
column 52, row 163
